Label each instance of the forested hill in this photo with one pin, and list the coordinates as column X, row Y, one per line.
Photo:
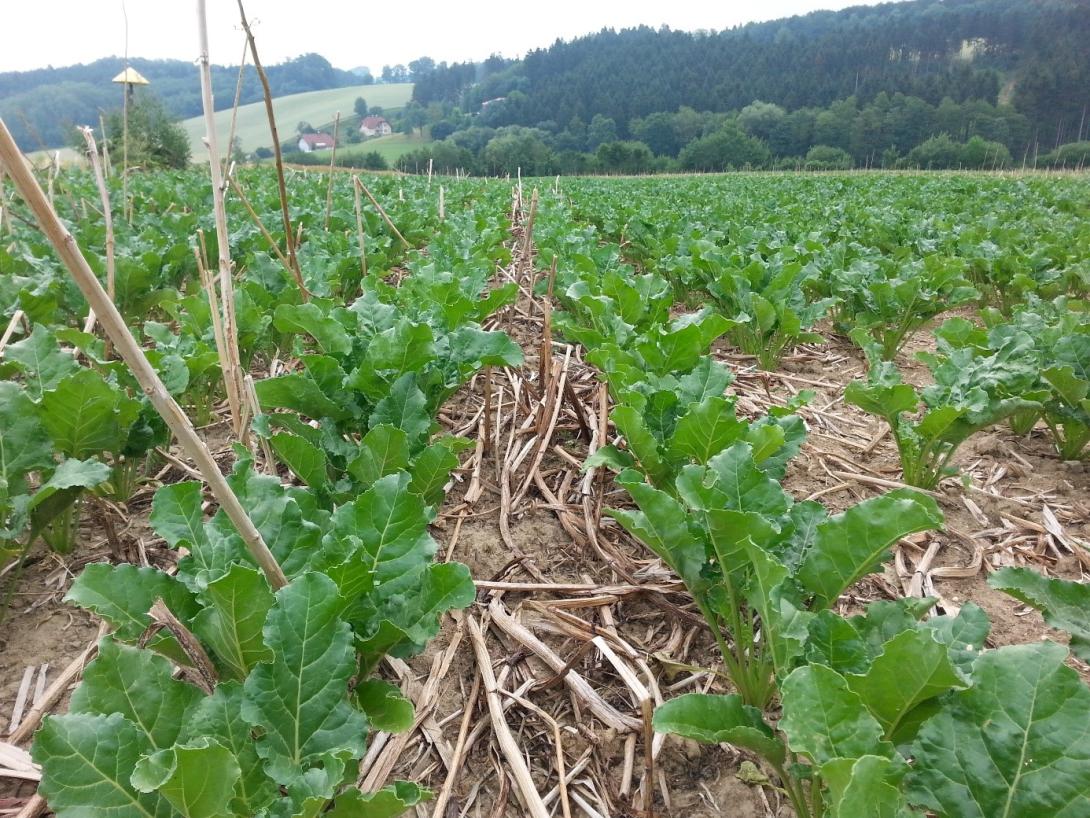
column 1031, row 53
column 41, row 106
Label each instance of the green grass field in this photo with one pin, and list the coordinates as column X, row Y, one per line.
column 315, row 107
column 390, row 147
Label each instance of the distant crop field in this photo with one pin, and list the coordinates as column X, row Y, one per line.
column 315, row 107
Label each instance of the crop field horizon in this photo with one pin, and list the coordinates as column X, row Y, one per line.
column 757, row 493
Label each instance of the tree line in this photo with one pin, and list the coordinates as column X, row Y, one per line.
column 891, row 131
column 867, row 81
column 41, row 106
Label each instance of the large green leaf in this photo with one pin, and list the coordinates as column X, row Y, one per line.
column 24, row 443
column 86, row 764
column 383, row 450
column 309, row 318
column 641, row 442
column 389, row 802
column 824, row 719
column 176, row 514
column 306, row 460
column 42, row 361
column 231, row 624
column 299, row 699
column 123, row 594
column 662, row 524
column 912, row 668
column 401, row 622
column 404, row 407
column 1064, row 605
column 140, row 686
column 706, row 429
column 431, row 470
column 85, row 415
column 402, row 349
column 219, row 716
column 866, row 787
column 300, row 393
column 198, row 778
column 744, row 487
column 716, row 719
column 63, row 488
column 1014, row 745
column 386, row 708
column 852, row 544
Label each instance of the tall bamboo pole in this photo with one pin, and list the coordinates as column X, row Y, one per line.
column 133, row 355
column 232, row 379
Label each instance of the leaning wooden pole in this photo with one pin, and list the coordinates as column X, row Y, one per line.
column 233, row 378
column 289, row 243
column 133, row 355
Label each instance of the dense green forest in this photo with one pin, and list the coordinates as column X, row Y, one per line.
column 41, row 106
column 866, row 86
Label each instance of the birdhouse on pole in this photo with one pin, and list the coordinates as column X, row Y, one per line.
column 130, row 78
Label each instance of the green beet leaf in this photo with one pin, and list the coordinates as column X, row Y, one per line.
column 299, row 699
column 912, row 668
column 231, row 625
column 176, row 514
column 383, row 450
column 386, row 708
column 715, row 719
column 198, row 779
column 219, row 717
column 24, row 443
column 306, row 460
column 389, row 802
column 140, row 686
column 1014, row 745
column 825, row 720
column 310, row 319
column 87, row 760
column 42, row 361
column 1065, row 605
column 866, row 787
column 85, row 415
column 123, row 594
column 852, row 544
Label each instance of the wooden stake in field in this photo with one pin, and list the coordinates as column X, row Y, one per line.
column 277, row 156
column 133, row 355
column 233, row 378
column 332, row 164
column 5, row 219
column 356, row 184
column 381, row 212
column 107, row 213
column 234, row 108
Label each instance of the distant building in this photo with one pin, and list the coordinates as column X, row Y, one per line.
column 492, row 101
column 315, row 142
column 375, row 126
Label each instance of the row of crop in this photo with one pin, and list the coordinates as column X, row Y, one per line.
column 881, row 713
column 880, row 284
column 217, row 694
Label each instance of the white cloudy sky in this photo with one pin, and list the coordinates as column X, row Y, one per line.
column 63, row 32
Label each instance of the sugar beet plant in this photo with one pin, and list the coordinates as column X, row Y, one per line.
column 217, row 694
column 884, row 713
column 276, row 696
column 974, row 388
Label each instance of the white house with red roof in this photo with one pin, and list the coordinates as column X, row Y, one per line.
column 375, row 126
column 315, row 142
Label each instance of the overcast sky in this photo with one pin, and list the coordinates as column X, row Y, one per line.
column 63, row 32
